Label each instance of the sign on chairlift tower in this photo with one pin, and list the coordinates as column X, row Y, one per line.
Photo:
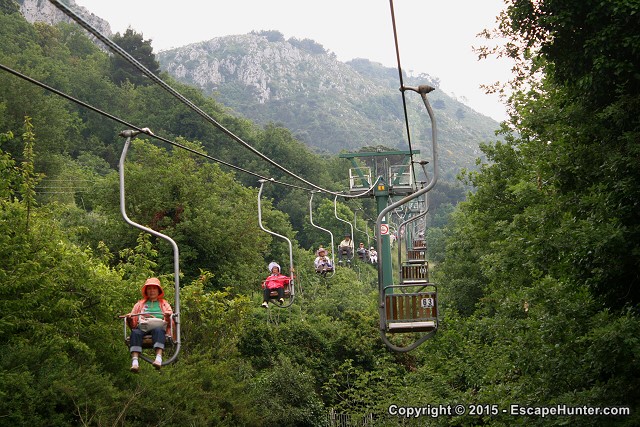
column 384, row 229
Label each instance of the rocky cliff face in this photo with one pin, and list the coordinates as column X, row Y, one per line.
column 328, row 104
column 271, row 71
column 45, row 11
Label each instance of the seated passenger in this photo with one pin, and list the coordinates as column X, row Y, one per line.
column 373, row 256
column 153, row 305
column 322, row 262
column 274, row 282
column 345, row 249
column 362, row 252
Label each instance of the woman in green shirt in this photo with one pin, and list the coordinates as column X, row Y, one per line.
column 152, row 305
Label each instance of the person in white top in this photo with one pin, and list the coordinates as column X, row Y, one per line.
column 345, row 248
column 322, row 263
column 373, row 255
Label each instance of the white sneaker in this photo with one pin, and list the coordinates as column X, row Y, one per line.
column 157, row 363
column 265, row 304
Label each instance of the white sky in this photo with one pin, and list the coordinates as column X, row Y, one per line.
column 434, row 37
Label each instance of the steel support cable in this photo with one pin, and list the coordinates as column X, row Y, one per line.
column 140, row 130
column 146, row 131
column 402, row 88
column 113, row 46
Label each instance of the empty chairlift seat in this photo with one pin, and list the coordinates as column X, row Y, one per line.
column 412, row 311
column 415, row 273
column 417, row 256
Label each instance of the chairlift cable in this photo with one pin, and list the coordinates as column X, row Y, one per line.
column 138, row 129
column 402, row 89
column 117, row 49
column 147, row 132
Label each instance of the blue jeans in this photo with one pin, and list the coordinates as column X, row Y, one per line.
column 137, row 334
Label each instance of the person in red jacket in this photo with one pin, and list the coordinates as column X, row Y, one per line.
column 275, row 281
column 152, row 305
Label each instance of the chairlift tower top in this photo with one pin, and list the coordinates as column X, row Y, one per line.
column 398, row 176
column 390, row 180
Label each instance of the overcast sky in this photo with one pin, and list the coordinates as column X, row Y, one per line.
column 434, row 37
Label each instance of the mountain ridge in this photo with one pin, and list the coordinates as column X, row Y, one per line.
column 329, row 105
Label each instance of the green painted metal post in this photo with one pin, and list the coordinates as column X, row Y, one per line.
column 381, row 193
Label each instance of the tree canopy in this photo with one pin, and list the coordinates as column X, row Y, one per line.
column 537, row 269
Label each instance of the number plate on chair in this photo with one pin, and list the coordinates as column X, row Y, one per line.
column 426, row 302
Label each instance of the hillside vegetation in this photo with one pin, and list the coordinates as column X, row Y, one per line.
column 537, row 269
column 329, row 105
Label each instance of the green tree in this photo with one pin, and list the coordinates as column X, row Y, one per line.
column 141, row 50
column 9, row 7
column 206, row 211
column 8, row 173
column 583, row 132
column 57, row 303
column 545, row 248
column 29, row 177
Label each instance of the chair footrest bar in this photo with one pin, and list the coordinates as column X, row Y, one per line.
column 411, row 326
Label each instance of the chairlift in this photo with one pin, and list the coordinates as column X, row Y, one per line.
column 289, row 289
column 172, row 340
column 415, row 270
column 414, row 309
column 366, row 232
column 333, row 259
column 343, row 252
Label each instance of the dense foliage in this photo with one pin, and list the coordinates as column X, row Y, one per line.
column 538, row 268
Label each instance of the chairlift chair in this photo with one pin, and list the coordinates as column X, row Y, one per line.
column 289, row 288
column 333, row 259
column 414, row 309
column 343, row 253
column 172, row 339
column 147, row 341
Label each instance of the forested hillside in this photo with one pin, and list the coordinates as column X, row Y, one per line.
column 329, row 105
column 537, row 268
